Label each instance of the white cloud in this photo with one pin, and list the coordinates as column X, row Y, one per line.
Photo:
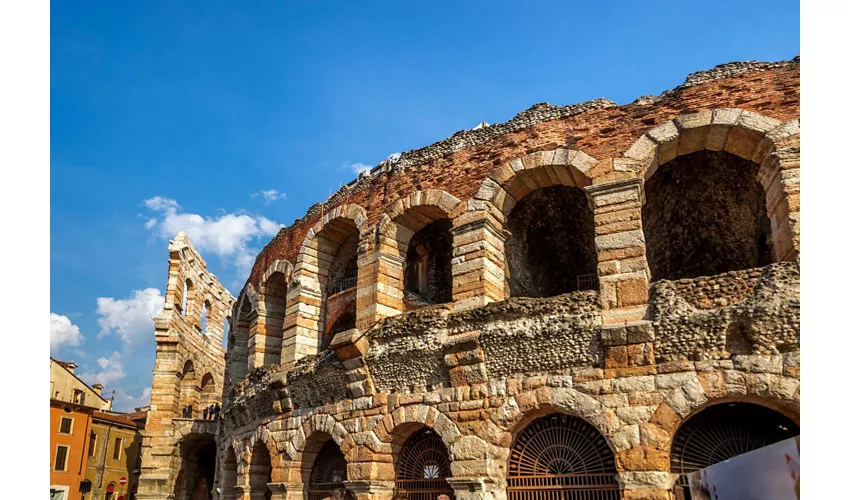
column 132, row 318
column 126, row 403
column 270, row 195
column 359, row 167
column 227, row 236
column 111, row 371
column 63, row 333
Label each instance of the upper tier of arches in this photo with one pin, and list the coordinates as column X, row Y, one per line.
column 722, row 184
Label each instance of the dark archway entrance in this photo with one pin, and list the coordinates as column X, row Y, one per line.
column 705, row 214
column 329, row 472
column 260, row 472
column 197, row 468
column 561, row 457
column 723, row 431
column 551, row 249
column 423, row 466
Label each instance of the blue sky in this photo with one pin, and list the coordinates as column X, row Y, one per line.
column 229, row 119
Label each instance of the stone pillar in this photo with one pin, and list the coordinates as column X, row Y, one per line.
column 371, row 489
column 240, row 492
column 780, row 173
column 646, row 485
column 478, row 488
column 621, row 250
column 287, row 491
column 350, row 347
column 465, row 359
column 478, row 264
column 380, row 279
column 257, row 337
column 301, row 326
column 629, row 349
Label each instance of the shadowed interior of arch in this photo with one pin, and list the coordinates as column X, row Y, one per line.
column 337, row 273
column 275, row 304
column 551, row 250
column 260, row 470
column 197, row 470
column 422, row 463
column 705, row 214
column 325, row 468
column 428, row 265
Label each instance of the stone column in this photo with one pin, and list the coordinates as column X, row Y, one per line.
column 371, row 489
column 478, row 488
column 380, row 279
column 287, row 491
column 646, row 485
column 478, row 264
column 256, row 337
column 621, row 250
column 301, row 326
column 465, row 359
column 350, row 347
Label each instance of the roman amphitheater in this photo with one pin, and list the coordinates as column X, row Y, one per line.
column 584, row 302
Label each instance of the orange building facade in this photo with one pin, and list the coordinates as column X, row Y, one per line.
column 70, row 427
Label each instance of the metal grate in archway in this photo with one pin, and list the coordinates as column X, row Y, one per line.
column 329, row 472
column 423, row 468
column 560, row 457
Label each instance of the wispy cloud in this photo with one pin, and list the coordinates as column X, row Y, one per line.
column 132, row 318
column 63, row 333
column 269, row 195
column 359, row 167
column 229, row 235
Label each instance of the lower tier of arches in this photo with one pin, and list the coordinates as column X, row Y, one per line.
column 548, row 437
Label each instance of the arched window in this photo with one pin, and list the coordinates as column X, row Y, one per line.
column 423, row 466
column 209, row 395
column 260, row 471
column 551, row 245
column 328, row 472
column 184, row 303
column 428, row 265
column 337, row 271
column 205, row 311
column 724, row 431
column 561, row 456
column 188, row 397
column 275, row 304
column 705, row 214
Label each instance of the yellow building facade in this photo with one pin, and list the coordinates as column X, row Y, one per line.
column 114, row 455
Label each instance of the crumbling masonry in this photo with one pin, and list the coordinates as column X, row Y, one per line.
column 613, row 281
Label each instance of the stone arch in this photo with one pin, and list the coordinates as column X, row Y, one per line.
column 244, row 315
column 264, row 346
column 703, row 437
column 326, row 267
column 424, row 415
column 278, row 266
column 315, row 423
column 189, row 388
column 512, row 181
column 539, row 210
column 771, row 145
column 422, row 220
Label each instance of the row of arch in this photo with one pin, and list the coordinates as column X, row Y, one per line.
column 708, row 192
column 552, row 455
column 196, row 391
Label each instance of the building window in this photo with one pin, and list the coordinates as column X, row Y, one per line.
column 92, row 444
column 61, row 458
column 65, row 425
column 79, row 397
column 116, row 450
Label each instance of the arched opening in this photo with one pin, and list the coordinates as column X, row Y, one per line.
column 208, row 392
column 724, row 431
column 260, row 472
column 326, row 468
column 342, row 320
column 110, row 492
column 422, row 465
column 337, row 244
column 197, row 468
column 237, row 343
column 205, row 312
column 186, row 300
column 229, row 474
column 275, row 305
column 188, row 391
column 428, row 265
column 563, row 457
column 705, row 214
column 551, row 247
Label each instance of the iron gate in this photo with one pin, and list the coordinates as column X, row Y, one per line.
column 559, row 457
column 423, row 468
column 329, row 472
